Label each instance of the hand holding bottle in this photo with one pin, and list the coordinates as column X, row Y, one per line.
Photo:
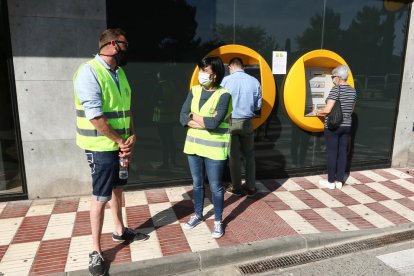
column 123, row 167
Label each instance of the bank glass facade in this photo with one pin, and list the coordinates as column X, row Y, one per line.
column 168, row 37
column 11, row 163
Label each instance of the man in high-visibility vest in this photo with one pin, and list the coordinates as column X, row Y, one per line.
column 104, row 130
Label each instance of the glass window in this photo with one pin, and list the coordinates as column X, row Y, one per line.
column 371, row 39
column 169, row 37
column 10, row 169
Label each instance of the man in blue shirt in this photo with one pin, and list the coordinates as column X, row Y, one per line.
column 246, row 95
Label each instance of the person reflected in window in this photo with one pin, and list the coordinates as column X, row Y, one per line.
column 246, row 95
column 164, row 118
column 337, row 139
column 206, row 113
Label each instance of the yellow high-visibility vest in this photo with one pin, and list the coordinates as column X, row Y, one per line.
column 214, row 143
column 116, row 105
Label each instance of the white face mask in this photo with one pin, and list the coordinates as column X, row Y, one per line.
column 204, row 79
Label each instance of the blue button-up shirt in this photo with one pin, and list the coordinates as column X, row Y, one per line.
column 88, row 89
column 246, row 94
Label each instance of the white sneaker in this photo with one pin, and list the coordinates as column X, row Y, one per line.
column 325, row 183
column 338, row 184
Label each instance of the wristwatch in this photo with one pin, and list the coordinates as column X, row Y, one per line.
column 191, row 116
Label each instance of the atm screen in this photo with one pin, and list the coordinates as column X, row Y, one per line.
column 318, row 85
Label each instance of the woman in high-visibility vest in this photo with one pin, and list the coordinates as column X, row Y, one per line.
column 206, row 113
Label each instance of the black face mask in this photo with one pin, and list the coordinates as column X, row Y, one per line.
column 121, row 57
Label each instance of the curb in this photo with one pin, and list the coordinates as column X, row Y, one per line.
column 203, row 260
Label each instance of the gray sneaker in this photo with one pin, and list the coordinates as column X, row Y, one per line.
column 193, row 222
column 218, row 230
column 96, row 264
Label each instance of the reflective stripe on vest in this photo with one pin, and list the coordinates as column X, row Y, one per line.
column 95, row 133
column 214, row 143
column 116, row 104
column 108, row 115
column 207, row 143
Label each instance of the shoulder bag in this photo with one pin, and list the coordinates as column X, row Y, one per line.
column 334, row 118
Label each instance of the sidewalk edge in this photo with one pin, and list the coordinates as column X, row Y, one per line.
column 198, row 261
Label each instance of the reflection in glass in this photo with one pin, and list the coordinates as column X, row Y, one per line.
column 164, row 116
column 369, row 37
column 10, row 171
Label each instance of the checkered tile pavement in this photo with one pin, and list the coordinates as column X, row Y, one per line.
column 40, row 237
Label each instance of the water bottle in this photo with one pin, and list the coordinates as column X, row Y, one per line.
column 123, row 168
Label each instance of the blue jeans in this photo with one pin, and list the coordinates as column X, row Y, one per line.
column 199, row 166
column 337, row 141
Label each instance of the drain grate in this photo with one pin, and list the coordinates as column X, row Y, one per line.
column 324, row 253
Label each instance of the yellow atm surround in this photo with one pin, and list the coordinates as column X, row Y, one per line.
column 249, row 56
column 294, row 93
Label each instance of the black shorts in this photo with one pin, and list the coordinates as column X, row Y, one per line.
column 105, row 173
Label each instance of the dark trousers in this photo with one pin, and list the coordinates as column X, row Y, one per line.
column 242, row 146
column 337, row 149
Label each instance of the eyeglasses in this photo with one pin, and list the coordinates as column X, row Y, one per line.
column 332, row 77
column 117, row 42
column 122, row 42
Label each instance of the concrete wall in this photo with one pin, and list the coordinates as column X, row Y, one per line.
column 50, row 38
column 403, row 153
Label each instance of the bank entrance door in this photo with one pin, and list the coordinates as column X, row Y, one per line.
column 11, row 158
